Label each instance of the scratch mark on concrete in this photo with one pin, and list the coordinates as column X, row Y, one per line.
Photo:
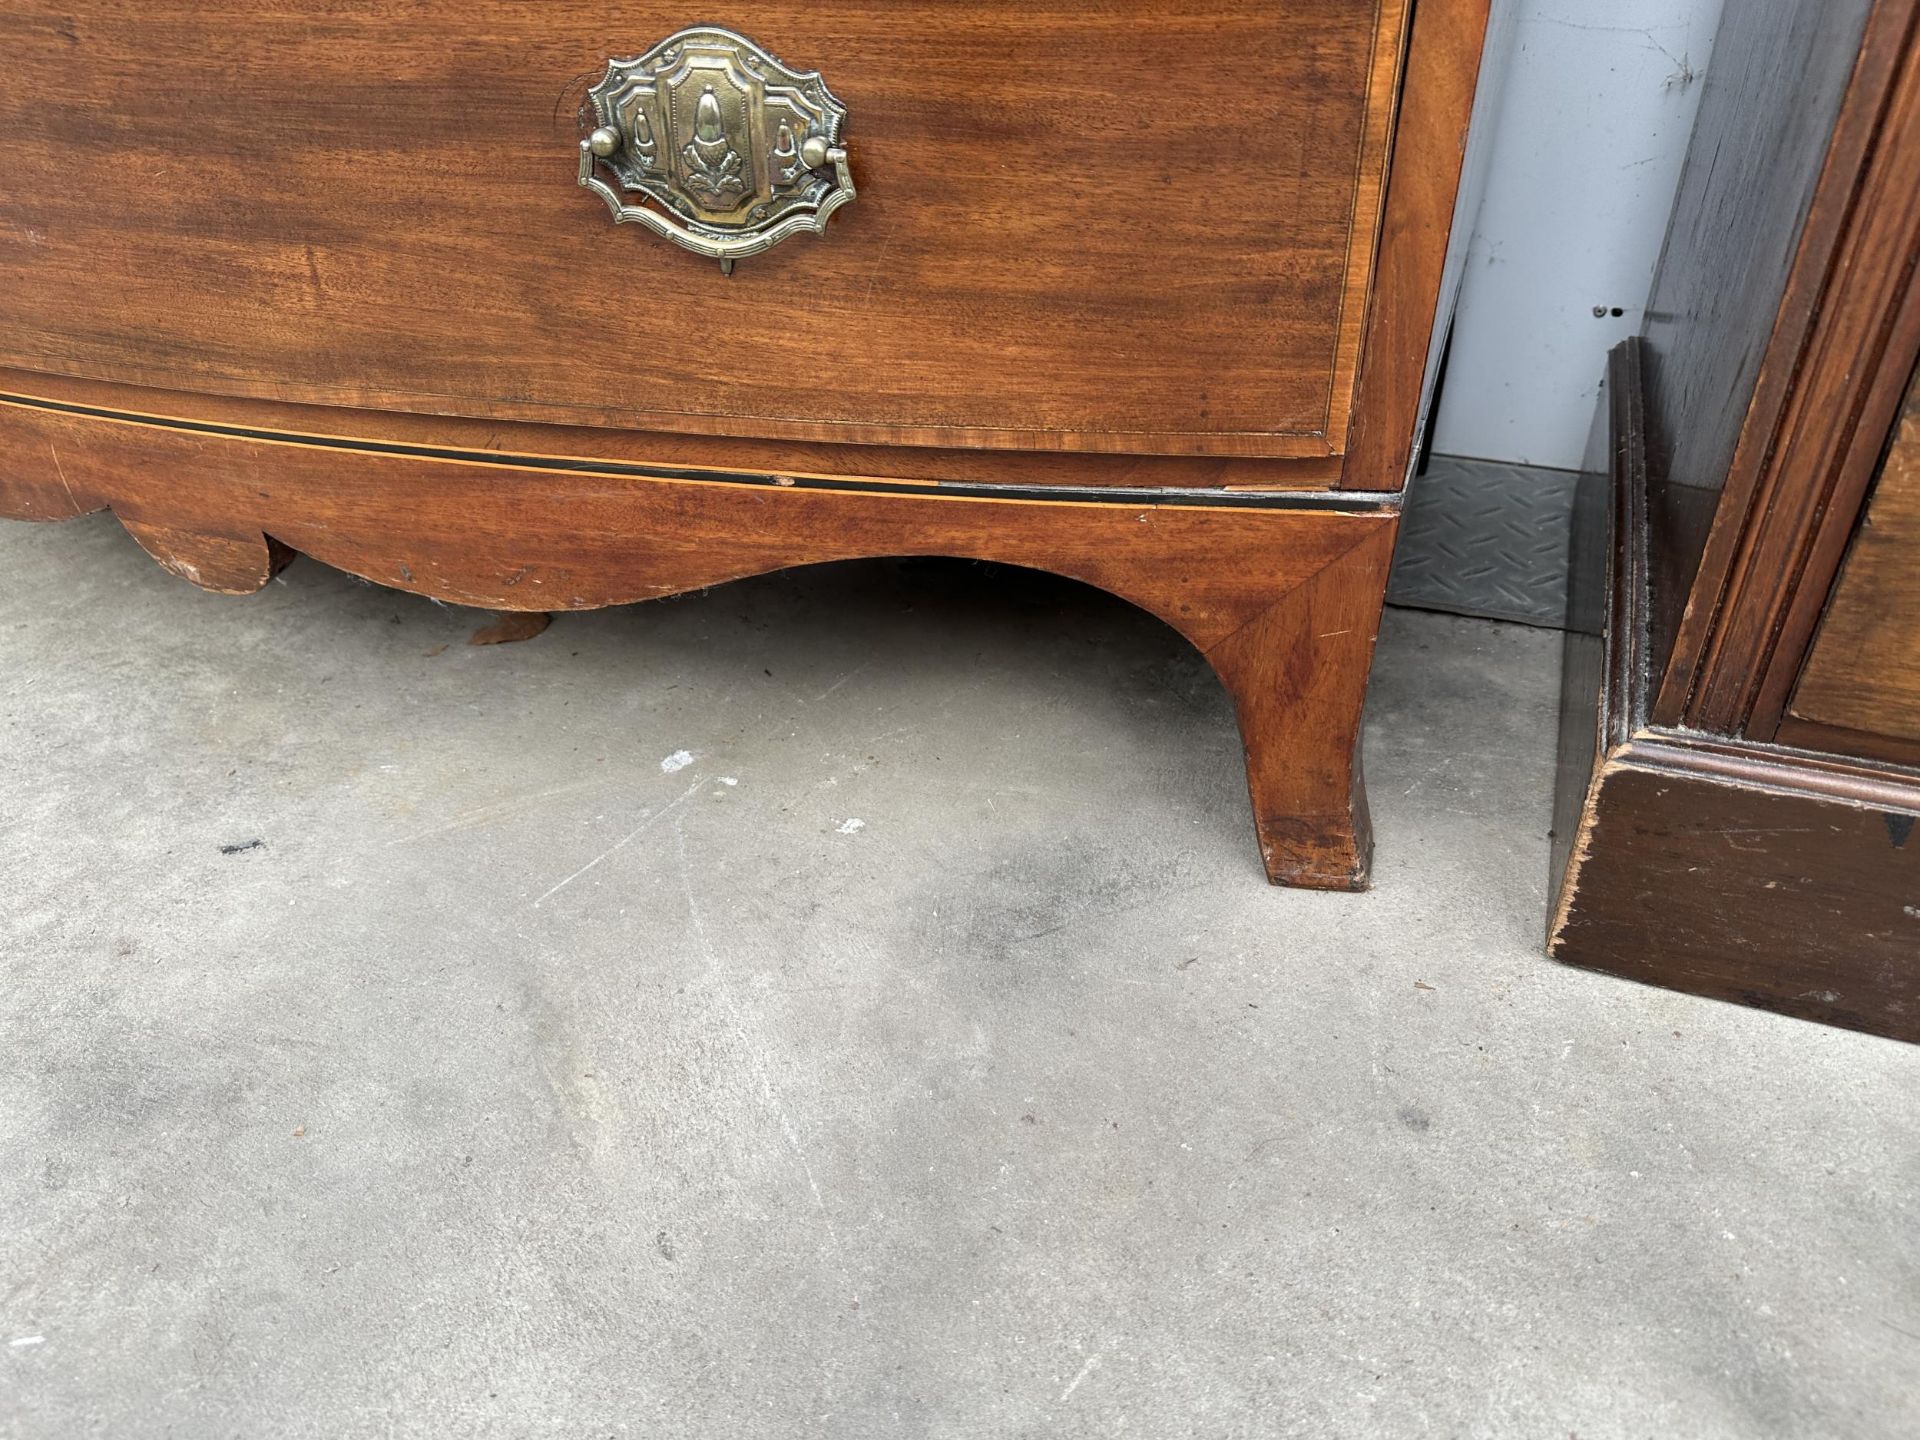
column 800, row 1154
column 1093, row 1363
column 619, row 845
column 758, row 1064
column 841, row 681
column 498, row 810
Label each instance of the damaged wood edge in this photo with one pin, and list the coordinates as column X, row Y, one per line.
column 1690, row 758
column 1620, row 705
column 1623, row 737
column 1724, row 866
column 223, row 564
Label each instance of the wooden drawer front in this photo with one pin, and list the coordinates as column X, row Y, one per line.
column 1137, row 227
column 1863, row 672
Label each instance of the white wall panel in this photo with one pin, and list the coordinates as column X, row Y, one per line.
column 1597, row 104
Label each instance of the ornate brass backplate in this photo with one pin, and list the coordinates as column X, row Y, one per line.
column 735, row 151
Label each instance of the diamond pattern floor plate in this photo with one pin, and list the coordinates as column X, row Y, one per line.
column 1485, row 538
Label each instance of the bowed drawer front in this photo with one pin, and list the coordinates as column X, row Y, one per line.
column 1142, row 229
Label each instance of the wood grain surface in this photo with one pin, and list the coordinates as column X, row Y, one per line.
column 1863, row 672
column 1416, row 280
column 1053, row 469
column 1284, row 603
column 1719, row 870
column 1745, row 190
column 1784, row 325
column 1123, row 227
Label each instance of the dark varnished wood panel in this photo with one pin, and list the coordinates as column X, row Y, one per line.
column 1779, row 72
column 1782, row 286
column 1863, row 672
column 1722, row 867
column 1860, row 352
column 1605, row 629
column 1838, row 740
column 1781, row 336
column 1123, row 227
column 1746, row 878
column 1284, row 603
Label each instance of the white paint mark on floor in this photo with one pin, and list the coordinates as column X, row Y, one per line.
column 1093, row 1363
column 678, row 760
column 852, row 827
column 26, row 1340
column 729, row 780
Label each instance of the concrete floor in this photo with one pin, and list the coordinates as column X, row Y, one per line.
column 846, row 1004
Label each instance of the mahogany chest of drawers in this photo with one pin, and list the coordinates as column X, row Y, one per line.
column 1141, row 294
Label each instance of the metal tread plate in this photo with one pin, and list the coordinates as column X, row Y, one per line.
column 1486, row 538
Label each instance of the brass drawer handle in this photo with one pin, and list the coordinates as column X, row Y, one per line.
column 735, row 150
